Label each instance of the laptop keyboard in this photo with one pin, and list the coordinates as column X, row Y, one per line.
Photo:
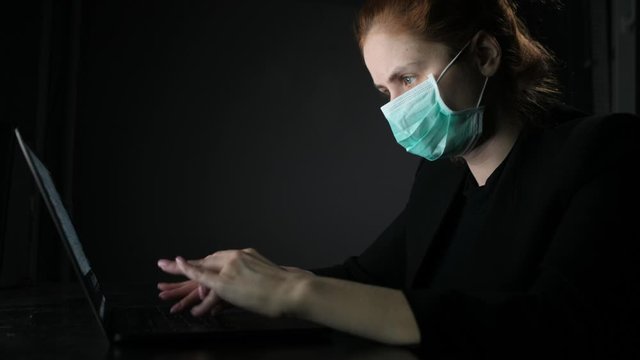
column 158, row 319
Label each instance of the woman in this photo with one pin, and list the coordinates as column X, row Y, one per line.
column 515, row 235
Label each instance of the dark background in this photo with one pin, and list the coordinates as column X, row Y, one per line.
column 181, row 128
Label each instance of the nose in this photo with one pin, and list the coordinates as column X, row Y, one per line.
column 394, row 93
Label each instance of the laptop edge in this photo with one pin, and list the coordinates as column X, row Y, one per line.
column 72, row 245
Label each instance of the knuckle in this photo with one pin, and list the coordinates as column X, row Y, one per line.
column 235, row 255
column 214, row 255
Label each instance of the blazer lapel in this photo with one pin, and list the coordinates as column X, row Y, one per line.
column 435, row 187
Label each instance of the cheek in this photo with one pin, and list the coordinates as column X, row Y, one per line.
column 395, row 91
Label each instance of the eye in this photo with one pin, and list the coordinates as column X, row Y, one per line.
column 408, row 80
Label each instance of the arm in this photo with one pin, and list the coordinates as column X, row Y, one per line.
column 246, row 279
column 373, row 312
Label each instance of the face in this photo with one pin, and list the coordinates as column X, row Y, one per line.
column 399, row 61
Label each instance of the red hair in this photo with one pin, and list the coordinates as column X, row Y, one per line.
column 526, row 68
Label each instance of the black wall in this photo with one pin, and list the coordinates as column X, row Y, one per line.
column 204, row 127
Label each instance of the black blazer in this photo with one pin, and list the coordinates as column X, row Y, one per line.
column 556, row 271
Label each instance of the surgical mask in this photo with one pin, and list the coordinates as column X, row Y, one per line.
column 425, row 126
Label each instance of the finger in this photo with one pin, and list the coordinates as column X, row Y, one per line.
column 253, row 252
column 179, row 292
column 173, row 285
column 211, row 262
column 202, row 291
column 172, row 268
column 216, row 261
column 169, row 266
column 186, row 301
column 197, row 273
column 205, row 306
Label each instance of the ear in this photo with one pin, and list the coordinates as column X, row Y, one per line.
column 487, row 53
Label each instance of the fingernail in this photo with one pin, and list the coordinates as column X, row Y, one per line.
column 179, row 259
column 174, row 308
column 163, row 262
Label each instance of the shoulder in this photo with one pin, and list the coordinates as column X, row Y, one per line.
column 608, row 128
column 589, row 136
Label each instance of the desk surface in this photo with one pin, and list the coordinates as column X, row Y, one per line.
column 54, row 321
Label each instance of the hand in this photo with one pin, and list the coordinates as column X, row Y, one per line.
column 246, row 279
column 187, row 291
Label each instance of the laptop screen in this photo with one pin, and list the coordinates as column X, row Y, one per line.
column 65, row 222
column 65, row 228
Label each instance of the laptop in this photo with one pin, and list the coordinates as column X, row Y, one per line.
column 123, row 322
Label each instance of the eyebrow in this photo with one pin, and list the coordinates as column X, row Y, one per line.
column 396, row 73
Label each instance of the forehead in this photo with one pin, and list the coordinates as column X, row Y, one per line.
column 384, row 52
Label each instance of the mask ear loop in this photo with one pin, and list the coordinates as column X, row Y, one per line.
column 486, row 79
column 452, row 61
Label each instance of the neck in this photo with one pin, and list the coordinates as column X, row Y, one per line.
column 487, row 156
